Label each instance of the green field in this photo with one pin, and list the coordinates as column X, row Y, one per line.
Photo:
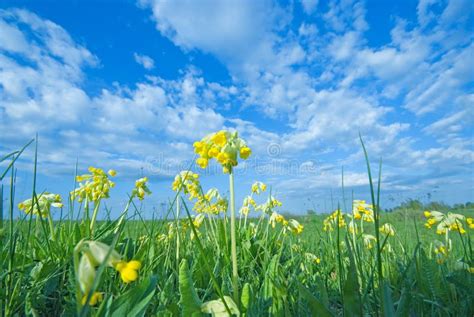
column 357, row 262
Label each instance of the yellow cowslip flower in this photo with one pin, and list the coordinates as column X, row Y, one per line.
column 441, row 252
column 202, row 162
column 269, row 206
column 211, row 203
column 387, row 229
column 96, row 298
column 43, row 206
column 312, row 258
column 224, row 147
column 112, row 173
column 295, row 226
column 198, row 220
column 470, row 222
column 427, row 214
column 352, row 227
column 457, row 227
column 188, row 182
column 258, row 187
column 368, row 240
column 275, row 218
column 141, row 189
column 334, row 219
column 213, row 152
column 440, row 231
column 128, row 270
column 93, row 186
column 245, row 152
column 248, row 201
column 219, row 138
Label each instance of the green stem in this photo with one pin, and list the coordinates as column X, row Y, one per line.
column 177, row 232
column 233, row 241
column 51, row 227
column 94, row 216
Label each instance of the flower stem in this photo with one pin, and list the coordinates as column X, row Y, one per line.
column 233, row 243
column 94, row 216
column 51, row 227
column 177, row 231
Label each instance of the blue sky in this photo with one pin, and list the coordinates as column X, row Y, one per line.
column 130, row 85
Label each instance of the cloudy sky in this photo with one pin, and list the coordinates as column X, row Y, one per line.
column 130, row 85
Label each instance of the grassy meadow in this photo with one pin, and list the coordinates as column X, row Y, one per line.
column 216, row 256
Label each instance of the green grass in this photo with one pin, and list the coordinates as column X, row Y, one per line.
column 277, row 276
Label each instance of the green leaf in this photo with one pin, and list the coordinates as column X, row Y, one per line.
column 245, row 297
column 352, row 300
column 315, row 305
column 189, row 301
column 135, row 301
column 388, row 309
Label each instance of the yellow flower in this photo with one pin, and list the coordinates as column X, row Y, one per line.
column 312, row 258
column 141, row 188
column 427, row 214
column 198, row 147
column 112, row 173
column 223, row 158
column 96, row 298
column 245, row 152
column 128, row 270
column 213, row 152
column 470, row 222
column 439, row 231
column 387, row 229
column 295, row 226
column 223, row 146
column 219, row 138
column 202, row 162
column 258, row 187
column 198, row 220
column 43, row 206
column 93, row 186
column 368, row 240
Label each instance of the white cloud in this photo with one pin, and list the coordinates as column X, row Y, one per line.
column 309, row 6
column 146, row 61
column 119, row 127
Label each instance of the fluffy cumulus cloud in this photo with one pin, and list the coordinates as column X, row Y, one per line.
column 42, row 78
column 424, row 69
column 314, row 83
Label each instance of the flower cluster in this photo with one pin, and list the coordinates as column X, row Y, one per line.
column 249, row 201
column 369, row 240
column 334, row 219
column 141, row 189
column 277, row 218
column 258, row 188
column 446, row 222
column 387, row 229
column 94, row 254
column 43, row 206
column 93, row 186
column 362, row 211
column 470, row 222
column 441, row 252
column 211, row 203
column 188, row 182
column 224, row 147
column 312, row 258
